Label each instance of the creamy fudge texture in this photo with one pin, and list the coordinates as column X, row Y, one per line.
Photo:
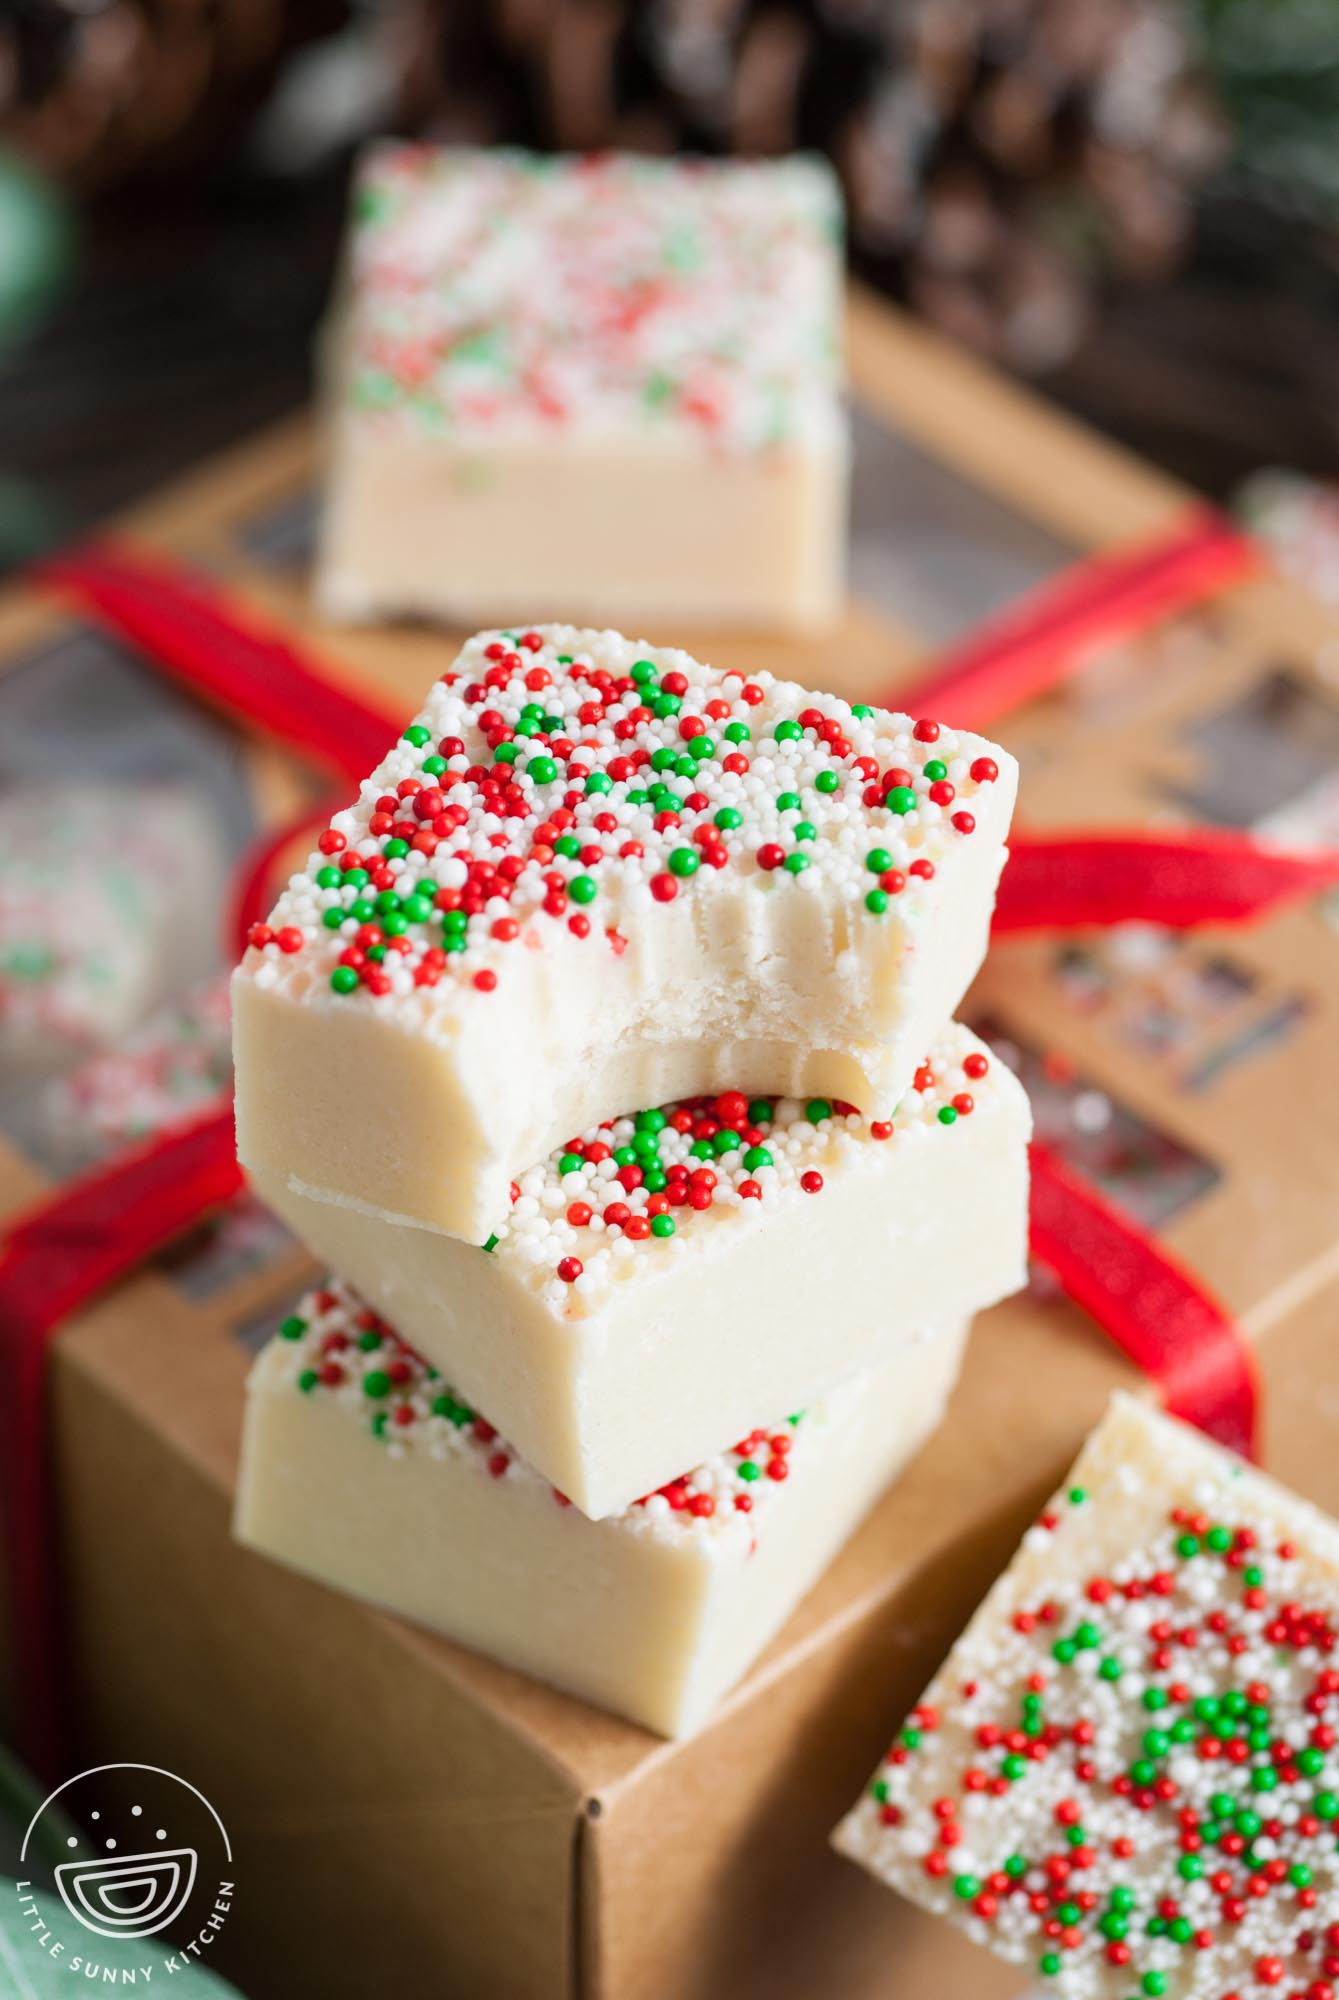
column 594, row 875
column 361, row 1467
column 663, row 1278
column 1126, row 1774
column 610, row 387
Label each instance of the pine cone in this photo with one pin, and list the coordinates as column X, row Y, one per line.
column 1000, row 157
column 92, row 90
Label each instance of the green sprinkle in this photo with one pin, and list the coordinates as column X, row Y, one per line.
column 662, row 1225
column 936, row 769
column 582, row 889
column 643, row 671
column 506, row 753
column 650, row 1121
column 434, row 766
column 1049, row 1963
column 788, row 802
column 901, row 799
column 417, row 735
column 599, row 781
column 727, row 819
column 308, row 1380
column 826, row 781
column 725, row 1142
column 293, row 1327
column 334, row 917
column 862, row 709
column 1187, row 1546
column 683, row 861
column 876, row 902
column 947, row 1115
column 760, row 1111
column 328, row 878
column 570, row 1163
column 736, row 732
column 787, row 732
column 376, row 1383
column 701, row 746
column 395, row 850
column 878, row 861
column 965, row 1887
column 746, row 1469
column 756, row 1157
column 542, row 769
column 344, row 979
column 493, row 1241
column 817, row 1109
column 796, row 863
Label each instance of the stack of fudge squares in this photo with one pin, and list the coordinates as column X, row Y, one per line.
column 604, row 1050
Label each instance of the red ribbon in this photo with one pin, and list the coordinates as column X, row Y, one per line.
column 1179, row 880
column 1045, row 635
column 193, row 632
column 64, row 1252
column 80, row 1241
column 1168, row 1324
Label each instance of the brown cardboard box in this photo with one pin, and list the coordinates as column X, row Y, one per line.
column 409, row 1818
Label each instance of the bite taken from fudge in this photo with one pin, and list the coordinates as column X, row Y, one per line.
column 664, row 1277
column 1126, row 1776
column 607, row 386
column 594, row 875
column 362, row 1467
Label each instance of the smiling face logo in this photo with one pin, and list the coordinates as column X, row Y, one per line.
column 144, row 1850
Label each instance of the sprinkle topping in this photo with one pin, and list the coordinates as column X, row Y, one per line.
column 496, row 292
column 644, row 1185
column 333, row 1345
column 560, row 782
column 1128, row 1772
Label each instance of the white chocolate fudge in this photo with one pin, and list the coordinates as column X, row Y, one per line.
column 594, row 875
column 663, row 1278
column 1127, row 1773
column 361, row 1467
column 609, row 387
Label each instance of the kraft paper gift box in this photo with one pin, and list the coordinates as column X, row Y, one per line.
column 528, row 1844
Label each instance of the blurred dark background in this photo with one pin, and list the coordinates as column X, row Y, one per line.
column 1134, row 203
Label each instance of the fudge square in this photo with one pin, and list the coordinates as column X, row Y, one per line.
column 665, row 1278
column 607, row 386
column 361, row 1467
column 592, row 876
column 1126, row 1774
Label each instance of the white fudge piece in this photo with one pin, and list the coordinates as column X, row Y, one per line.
column 107, row 901
column 609, row 387
column 594, row 875
column 661, row 1281
column 360, row 1467
column 1127, row 1772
